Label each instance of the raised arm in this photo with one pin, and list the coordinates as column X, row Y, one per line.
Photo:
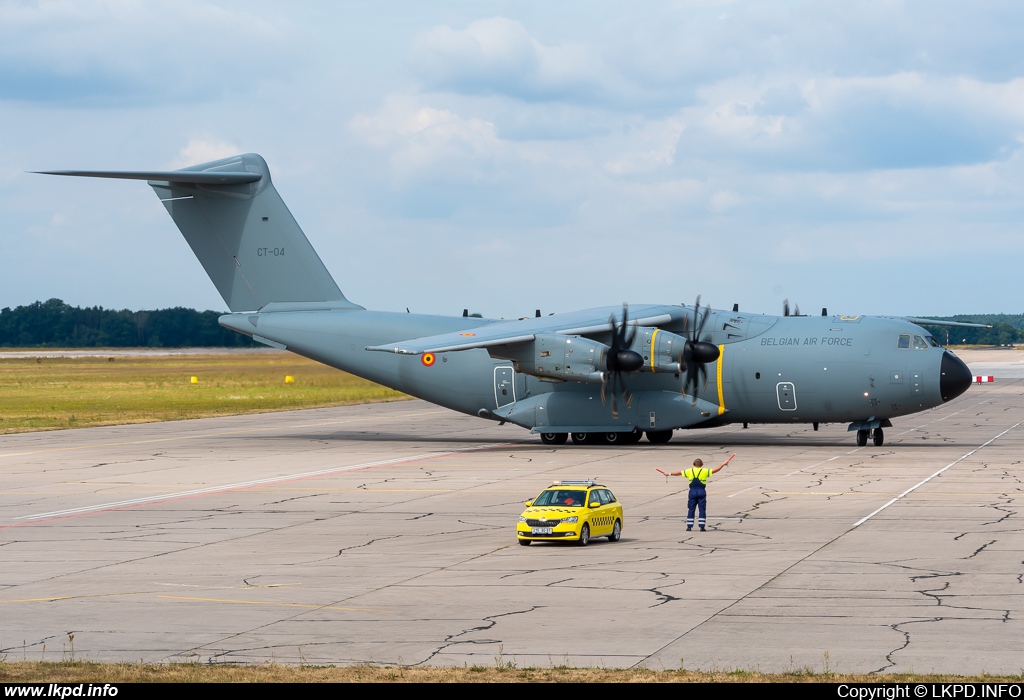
column 719, row 467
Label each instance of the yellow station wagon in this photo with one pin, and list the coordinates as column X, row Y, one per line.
column 571, row 510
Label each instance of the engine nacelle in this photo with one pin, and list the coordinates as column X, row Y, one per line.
column 557, row 357
column 662, row 346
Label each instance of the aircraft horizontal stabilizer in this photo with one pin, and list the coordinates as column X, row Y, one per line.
column 179, row 176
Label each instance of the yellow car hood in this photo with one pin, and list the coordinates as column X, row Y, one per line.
column 552, row 513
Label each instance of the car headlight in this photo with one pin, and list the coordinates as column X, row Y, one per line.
column 522, row 519
column 572, row 520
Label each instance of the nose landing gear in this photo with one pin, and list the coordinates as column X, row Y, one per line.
column 870, row 429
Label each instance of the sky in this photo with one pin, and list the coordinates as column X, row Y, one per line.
column 507, row 156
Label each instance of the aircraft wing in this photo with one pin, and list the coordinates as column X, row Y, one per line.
column 585, row 322
column 933, row 322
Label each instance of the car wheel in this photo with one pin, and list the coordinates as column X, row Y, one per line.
column 554, row 438
column 616, row 532
column 525, row 543
column 613, row 438
column 585, row 535
column 581, row 438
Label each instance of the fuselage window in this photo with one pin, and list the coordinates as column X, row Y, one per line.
column 919, row 343
column 904, row 342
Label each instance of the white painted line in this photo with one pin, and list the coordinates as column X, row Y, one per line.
column 743, row 491
column 925, row 481
column 244, row 484
column 830, row 459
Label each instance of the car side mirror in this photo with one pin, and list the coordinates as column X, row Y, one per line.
column 528, row 504
column 595, row 504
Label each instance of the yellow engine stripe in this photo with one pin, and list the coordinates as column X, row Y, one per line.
column 721, row 393
column 653, row 336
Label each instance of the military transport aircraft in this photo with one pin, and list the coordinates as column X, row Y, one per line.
column 604, row 375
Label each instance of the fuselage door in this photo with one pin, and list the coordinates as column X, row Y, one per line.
column 787, row 396
column 504, row 386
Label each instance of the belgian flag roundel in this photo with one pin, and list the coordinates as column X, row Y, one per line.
column 428, row 359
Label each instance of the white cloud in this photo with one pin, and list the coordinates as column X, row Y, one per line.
column 499, row 56
column 200, row 150
column 133, row 52
column 426, row 141
column 650, row 146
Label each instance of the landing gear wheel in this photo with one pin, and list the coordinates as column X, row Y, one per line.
column 525, row 543
column 613, row 438
column 616, row 532
column 877, row 437
column 862, row 438
column 581, row 438
column 554, row 439
column 633, row 437
column 659, row 437
column 584, row 535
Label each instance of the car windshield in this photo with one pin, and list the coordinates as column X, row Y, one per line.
column 561, row 497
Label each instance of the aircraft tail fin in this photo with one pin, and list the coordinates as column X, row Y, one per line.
column 243, row 234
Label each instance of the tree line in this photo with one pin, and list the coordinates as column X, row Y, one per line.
column 56, row 324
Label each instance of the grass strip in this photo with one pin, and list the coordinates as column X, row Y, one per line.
column 49, row 393
column 87, row 672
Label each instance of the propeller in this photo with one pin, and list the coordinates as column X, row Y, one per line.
column 696, row 352
column 620, row 359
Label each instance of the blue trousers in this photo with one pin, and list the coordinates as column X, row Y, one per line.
column 698, row 499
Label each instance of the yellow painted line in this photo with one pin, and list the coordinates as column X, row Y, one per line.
column 53, row 599
column 721, row 392
column 277, row 605
column 214, row 435
column 653, row 337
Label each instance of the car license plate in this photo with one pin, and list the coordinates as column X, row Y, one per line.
column 541, row 531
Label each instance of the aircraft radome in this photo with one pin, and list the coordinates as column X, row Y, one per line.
column 605, row 375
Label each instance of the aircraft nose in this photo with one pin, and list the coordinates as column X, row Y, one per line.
column 955, row 377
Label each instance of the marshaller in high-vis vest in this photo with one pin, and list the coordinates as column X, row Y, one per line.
column 698, row 476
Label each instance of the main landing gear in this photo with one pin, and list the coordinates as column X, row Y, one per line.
column 612, row 439
column 877, row 437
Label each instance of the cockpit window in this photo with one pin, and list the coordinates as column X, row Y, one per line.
column 904, row 342
column 919, row 343
column 931, row 341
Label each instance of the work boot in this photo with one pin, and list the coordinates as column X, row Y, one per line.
column 689, row 527
column 703, row 530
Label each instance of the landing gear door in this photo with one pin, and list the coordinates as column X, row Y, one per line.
column 504, row 386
